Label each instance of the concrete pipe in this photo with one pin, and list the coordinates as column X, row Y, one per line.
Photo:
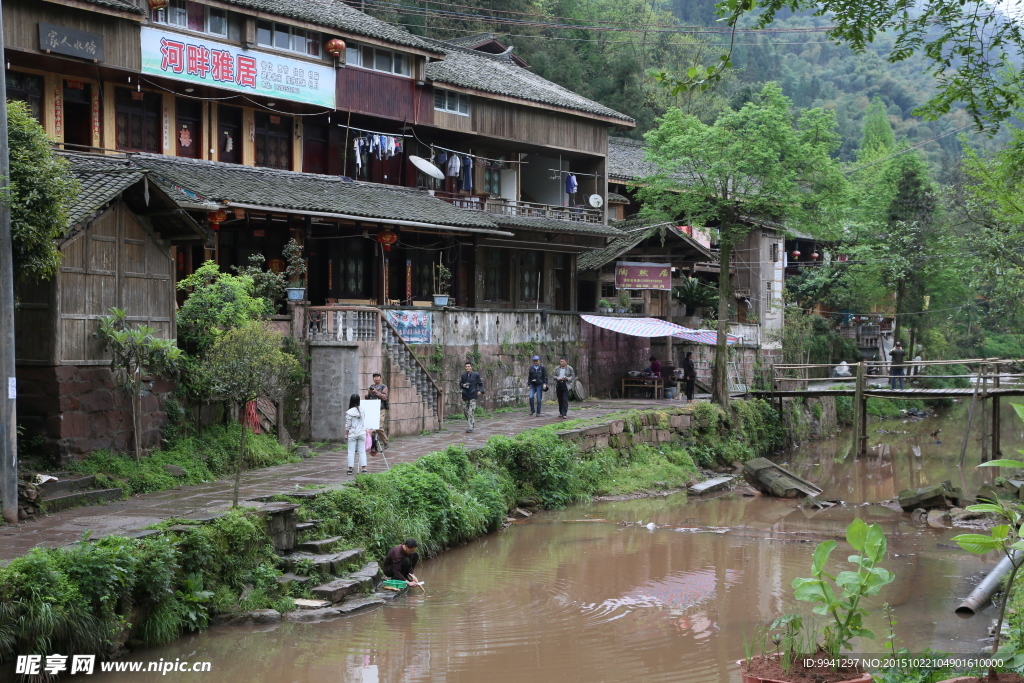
column 981, row 595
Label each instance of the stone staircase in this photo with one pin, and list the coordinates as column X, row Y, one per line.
column 402, row 357
column 74, row 491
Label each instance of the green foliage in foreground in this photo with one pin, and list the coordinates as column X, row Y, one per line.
column 204, row 457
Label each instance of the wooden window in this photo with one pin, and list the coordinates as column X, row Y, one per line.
column 27, row 88
column 378, row 59
column 608, row 290
column 273, row 141
column 193, row 16
column 492, row 180
column 138, row 120
column 451, row 102
column 229, row 134
column 354, row 271
column 529, row 276
column 496, row 275
column 290, row 38
column 189, row 131
column 314, row 147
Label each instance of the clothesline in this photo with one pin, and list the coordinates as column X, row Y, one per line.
column 374, row 132
column 591, row 175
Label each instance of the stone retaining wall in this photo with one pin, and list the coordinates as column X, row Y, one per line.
column 651, row 427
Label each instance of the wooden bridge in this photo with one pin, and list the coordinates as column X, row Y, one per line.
column 989, row 379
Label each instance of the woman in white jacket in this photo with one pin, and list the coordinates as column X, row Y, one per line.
column 355, row 432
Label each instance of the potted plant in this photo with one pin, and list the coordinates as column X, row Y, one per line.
column 442, row 284
column 840, row 597
column 295, row 271
column 605, row 306
column 625, row 301
column 694, row 295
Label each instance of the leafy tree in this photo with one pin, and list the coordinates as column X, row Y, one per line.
column 755, row 162
column 266, row 284
column 217, row 302
column 41, row 193
column 135, row 351
column 244, row 364
column 877, row 140
column 694, row 294
column 969, row 46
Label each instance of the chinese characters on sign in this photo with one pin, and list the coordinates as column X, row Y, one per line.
column 68, row 41
column 197, row 60
column 413, row 326
column 643, row 276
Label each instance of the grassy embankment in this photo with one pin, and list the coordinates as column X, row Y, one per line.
column 100, row 596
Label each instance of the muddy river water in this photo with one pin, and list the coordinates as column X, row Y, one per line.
column 568, row 597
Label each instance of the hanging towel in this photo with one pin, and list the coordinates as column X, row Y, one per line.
column 359, row 154
column 454, row 166
column 467, row 174
column 570, row 184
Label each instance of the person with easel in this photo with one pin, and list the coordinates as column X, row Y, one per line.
column 379, row 391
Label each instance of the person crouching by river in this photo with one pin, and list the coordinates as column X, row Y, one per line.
column 355, row 433
column 401, row 560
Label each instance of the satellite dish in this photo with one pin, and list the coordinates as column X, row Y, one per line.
column 596, row 201
column 427, row 167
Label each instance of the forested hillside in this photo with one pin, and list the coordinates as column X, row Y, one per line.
column 604, row 48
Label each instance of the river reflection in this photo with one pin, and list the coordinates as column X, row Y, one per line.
column 576, row 596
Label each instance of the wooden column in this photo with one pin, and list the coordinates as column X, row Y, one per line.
column 248, row 136
column 859, row 412
column 109, row 116
column 996, row 452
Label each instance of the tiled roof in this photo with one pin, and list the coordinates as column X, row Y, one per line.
column 122, row 5
column 101, row 180
column 626, row 159
column 498, row 74
column 555, row 225
column 635, row 231
column 290, row 190
column 616, row 197
column 338, row 15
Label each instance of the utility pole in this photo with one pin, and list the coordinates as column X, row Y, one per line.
column 8, row 415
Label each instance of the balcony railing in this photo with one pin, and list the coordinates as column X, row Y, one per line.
column 331, row 323
column 509, row 207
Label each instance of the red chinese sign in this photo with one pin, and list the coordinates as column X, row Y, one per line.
column 643, row 276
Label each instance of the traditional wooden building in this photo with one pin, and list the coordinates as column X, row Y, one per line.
column 118, row 251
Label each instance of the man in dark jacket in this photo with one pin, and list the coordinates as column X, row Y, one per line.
column 689, row 376
column 896, row 368
column 401, row 560
column 472, row 386
column 538, row 381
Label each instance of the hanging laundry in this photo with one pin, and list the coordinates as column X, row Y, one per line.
column 359, row 154
column 570, row 184
column 467, row 174
column 442, row 159
column 454, row 166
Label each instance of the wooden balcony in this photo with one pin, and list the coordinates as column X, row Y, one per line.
column 509, row 207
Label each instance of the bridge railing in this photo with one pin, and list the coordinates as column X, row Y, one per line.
column 989, row 371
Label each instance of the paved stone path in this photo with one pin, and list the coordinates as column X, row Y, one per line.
column 127, row 516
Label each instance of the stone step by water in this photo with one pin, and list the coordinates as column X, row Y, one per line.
column 306, row 526
column 355, row 603
column 304, row 603
column 368, row 575
column 65, row 501
column 327, row 563
column 710, row 485
column 334, row 591
column 289, row 577
column 320, row 546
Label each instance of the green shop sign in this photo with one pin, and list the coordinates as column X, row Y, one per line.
column 206, row 62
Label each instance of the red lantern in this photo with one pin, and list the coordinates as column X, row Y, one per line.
column 386, row 237
column 335, row 47
column 216, row 218
column 158, row 4
column 795, row 254
column 815, row 255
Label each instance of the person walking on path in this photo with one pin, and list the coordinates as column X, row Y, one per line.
column 401, row 560
column 378, row 390
column 355, row 433
column 538, row 381
column 896, row 369
column 689, row 376
column 472, row 386
column 565, row 377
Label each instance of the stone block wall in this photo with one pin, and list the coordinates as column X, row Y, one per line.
column 652, row 427
column 78, row 410
column 334, row 376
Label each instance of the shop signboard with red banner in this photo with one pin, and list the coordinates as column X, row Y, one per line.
column 643, row 276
